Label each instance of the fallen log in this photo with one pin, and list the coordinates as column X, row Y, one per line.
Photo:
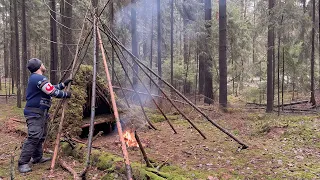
column 95, row 123
column 1, row 95
column 300, row 110
column 284, row 105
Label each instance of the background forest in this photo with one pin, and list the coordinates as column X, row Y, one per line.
column 257, row 32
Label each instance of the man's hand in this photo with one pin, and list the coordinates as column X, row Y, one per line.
column 67, row 82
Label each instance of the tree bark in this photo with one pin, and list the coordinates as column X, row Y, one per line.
column 201, row 72
column 159, row 41
column 269, row 61
column 24, row 50
column 208, row 85
column 53, row 44
column 16, row 31
column 12, row 47
column 112, row 50
column 65, row 34
column 319, row 38
column 151, row 44
column 282, row 82
column 134, row 40
column 63, row 47
column 223, row 91
column 312, row 99
column 171, row 39
column 5, row 42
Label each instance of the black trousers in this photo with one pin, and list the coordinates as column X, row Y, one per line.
column 37, row 131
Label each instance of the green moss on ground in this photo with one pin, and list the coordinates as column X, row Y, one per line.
column 114, row 166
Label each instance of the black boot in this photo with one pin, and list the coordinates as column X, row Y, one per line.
column 24, row 168
column 41, row 160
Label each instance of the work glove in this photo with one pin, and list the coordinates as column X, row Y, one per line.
column 68, row 81
column 68, row 94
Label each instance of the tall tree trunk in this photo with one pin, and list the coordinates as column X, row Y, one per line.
column 5, row 43
column 134, row 41
column 63, row 47
column 53, row 44
column 201, row 72
column 269, row 60
column 302, row 34
column 208, row 85
column 145, row 37
column 273, row 68
column 24, row 50
column 65, row 34
column 279, row 46
column 171, row 40
column 282, row 82
column 112, row 50
column 151, row 44
column 12, row 48
column 254, row 34
column 16, row 31
column 312, row 99
column 159, row 41
column 223, row 91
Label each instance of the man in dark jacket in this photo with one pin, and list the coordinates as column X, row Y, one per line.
column 38, row 93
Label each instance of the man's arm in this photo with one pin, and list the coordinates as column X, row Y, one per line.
column 51, row 90
column 60, row 86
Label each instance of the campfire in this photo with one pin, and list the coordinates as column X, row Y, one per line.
column 130, row 139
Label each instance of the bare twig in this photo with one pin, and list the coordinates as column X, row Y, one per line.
column 68, row 168
column 161, row 165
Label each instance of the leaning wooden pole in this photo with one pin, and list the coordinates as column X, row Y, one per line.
column 144, row 154
column 93, row 97
column 64, row 105
column 115, row 112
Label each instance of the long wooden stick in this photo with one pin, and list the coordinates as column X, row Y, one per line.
column 93, row 97
column 65, row 103
column 116, row 113
column 144, row 154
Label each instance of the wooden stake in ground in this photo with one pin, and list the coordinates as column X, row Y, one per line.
column 115, row 111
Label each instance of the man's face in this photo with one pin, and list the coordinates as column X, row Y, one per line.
column 42, row 68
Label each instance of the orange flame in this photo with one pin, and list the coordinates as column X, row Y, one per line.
column 130, row 139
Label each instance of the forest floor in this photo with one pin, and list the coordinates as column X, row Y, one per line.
column 280, row 147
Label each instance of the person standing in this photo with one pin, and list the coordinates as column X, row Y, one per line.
column 38, row 95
